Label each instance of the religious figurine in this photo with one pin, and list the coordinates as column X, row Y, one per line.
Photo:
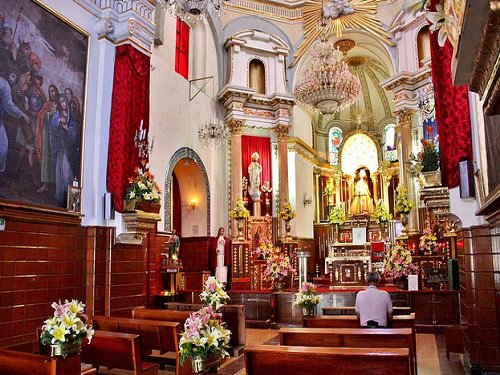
column 254, row 172
column 362, row 201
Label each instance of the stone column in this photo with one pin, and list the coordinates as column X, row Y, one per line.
column 375, row 177
column 236, row 128
column 405, row 119
column 318, row 200
column 282, row 131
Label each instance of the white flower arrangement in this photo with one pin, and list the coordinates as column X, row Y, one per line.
column 213, row 293
column 143, row 187
column 239, row 212
column 381, row 214
column 68, row 326
column 204, row 335
column 337, row 215
column 287, row 213
column 307, row 296
column 403, row 204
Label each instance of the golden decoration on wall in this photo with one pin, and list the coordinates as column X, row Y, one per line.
column 339, row 16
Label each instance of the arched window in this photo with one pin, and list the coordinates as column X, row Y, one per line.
column 257, row 76
column 423, row 45
column 390, row 147
column 334, row 142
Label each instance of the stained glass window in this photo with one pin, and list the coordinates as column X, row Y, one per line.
column 334, row 142
column 391, row 151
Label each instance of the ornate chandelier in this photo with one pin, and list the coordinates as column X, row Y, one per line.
column 192, row 10
column 213, row 134
column 327, row 85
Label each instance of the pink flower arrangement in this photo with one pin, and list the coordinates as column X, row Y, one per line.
column 428, row 242
column 398, row 262
column 204, row 334
column 278, row 267
column 264, row 250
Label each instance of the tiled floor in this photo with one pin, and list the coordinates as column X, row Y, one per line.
column 431, row 355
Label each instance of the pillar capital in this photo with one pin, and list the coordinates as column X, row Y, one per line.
column 405, row 116
column 236, row 126
column 282, row 130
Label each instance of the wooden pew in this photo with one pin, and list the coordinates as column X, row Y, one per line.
column 117, row 350
column 302, row 360
column 164, row 315
column 351, row 321
column 351, row 337
column 14, row 362
column 351, row 310
column 157, row 338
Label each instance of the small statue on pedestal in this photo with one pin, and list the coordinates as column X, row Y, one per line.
column 254, row 172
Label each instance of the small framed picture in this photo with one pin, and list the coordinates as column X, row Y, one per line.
column 74, row 198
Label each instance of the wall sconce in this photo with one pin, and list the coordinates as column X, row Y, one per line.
column 307, row 199
column 193, row 203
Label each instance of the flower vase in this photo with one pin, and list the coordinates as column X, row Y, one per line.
column 309, row 311
column 288, row 228
column 431, row 178
column 278, row 285
column 62, row 350
column 240, row 225
column 401, row 282
column 200, row 364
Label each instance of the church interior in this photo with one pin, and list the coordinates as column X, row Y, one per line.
column 299, row 146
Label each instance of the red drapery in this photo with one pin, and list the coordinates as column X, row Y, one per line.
column 130, row 105
column 261, row 145
column 452, row 113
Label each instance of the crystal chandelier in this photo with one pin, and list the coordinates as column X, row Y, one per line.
column 213, row 134
column 192, row 10
column 327, row 85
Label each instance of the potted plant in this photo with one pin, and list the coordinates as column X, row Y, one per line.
column 66, row 330
column 403, row 206
column 381, row 216
column 214, row 294
column 287, row 214
column 307, row 298
column 205, row 340
column 278, row 269
column 429, row 159
column 239, row 214
column 398, row 264
column 337, row 217
column 143, row 193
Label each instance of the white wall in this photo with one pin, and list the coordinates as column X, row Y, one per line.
column 300, row 180
column 174, row 120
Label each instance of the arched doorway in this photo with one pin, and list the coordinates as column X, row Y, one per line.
column 187, row 195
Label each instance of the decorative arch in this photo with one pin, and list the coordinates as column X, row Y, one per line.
column 354, row 158
column 183, row 152
column 254, row 77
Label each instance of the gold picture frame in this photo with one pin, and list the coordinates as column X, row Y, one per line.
column 48, row 155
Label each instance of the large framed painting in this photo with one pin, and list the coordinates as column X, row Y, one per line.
column 43, row 63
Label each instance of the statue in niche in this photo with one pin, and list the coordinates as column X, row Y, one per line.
column 333, row 9
column 254, row 172
column 362, row 201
